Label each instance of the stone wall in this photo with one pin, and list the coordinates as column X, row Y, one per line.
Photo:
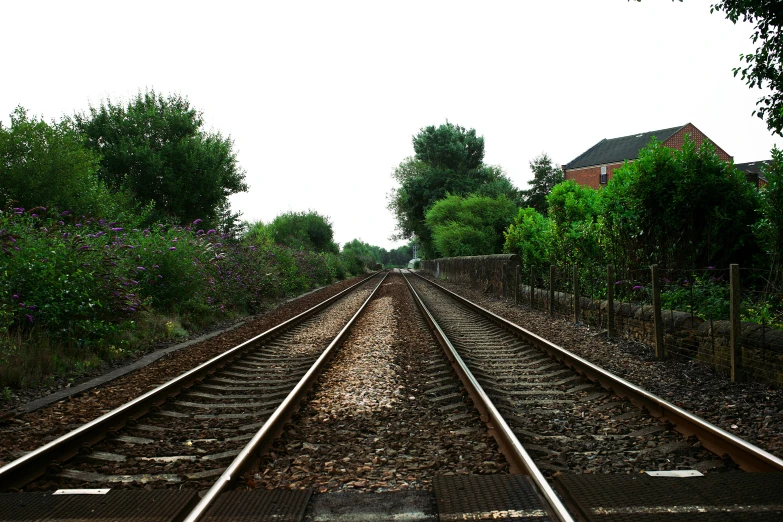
column 685, row 336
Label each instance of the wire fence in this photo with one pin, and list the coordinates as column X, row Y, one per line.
column 685, row 314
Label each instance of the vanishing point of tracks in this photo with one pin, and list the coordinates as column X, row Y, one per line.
column 415, row 433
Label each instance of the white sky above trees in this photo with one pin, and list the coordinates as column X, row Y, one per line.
column 322, row 98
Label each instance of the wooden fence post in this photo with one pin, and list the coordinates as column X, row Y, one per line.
column 735, row 337
column 551, row 289
column 516, row 285
column 577, row 301
column 609, row 301
column 657, row 316
column 532, row 287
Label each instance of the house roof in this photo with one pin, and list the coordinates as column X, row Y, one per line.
column 753, row 167
column 615, row 150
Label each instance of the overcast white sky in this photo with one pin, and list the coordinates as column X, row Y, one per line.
column 322, row 98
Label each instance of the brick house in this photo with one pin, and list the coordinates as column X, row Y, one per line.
column 596, row 165
column 753, row 173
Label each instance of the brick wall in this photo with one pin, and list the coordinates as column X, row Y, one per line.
column 678, row 139
column 591, row 176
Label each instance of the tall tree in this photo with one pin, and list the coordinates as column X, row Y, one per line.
column 156, row 147
column 545, row 176
column 43, row 164
column 470, row 226
column 769, row 228
column 680, row 209
column 448, row 160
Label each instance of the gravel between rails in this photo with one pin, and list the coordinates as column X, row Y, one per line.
column 567, row 424
column 751, row 411
column 189, row 441
column 389, row 414
column 27, row 432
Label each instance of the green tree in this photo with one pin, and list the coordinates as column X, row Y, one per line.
column 680, row 209
column 359, row 256
column 545, row 176
column 448, row 160
column 44, row 164
column 156, row 147
column 528, row 237
column 470, row 226
column 769, row 228
column 574, row 226
column 398, row 257
column 304, row 231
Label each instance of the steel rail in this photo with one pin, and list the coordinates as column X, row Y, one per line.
column 519, row 459
column 19, row 472
column 748, row 456
column 272, row 428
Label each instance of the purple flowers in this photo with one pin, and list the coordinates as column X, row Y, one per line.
column 638, row 287
column 117, row 229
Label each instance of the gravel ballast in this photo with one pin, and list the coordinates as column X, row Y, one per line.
column 377, row 420
column 751, row 411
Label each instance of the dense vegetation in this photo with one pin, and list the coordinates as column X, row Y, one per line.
column 449, row 161
column 683, row 210
column 102, row 248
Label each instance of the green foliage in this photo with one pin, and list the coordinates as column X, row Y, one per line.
column 156, row 148
column 74, row 288
column 574, row 225
column 449, row 147
column 359, row 256
column 259, row 233
column 449, row 160
column 703, row 294
column 469, row 226
column 545, row 176
column 48, row 164
column 303, row 230
column 769, row 228
column 397, row 257
column 680, row 208
column 529, row 237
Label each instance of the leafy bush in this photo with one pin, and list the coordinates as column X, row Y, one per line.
column 86, row 284
column 304, row 231
column 48, row 164
column 528, row 237
column 469, row 226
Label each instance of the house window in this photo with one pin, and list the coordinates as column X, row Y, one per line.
column 603, row 176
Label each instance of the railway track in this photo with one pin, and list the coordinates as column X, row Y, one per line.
column 568, row 413
column 188, row 429
column 390, row 420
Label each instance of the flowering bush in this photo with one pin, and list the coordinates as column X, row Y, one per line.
column 84, row 280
